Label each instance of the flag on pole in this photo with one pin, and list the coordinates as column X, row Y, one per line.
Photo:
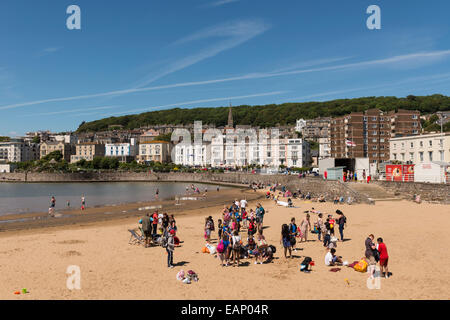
column 350, row 143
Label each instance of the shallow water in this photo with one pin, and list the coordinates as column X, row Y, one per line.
column 35, row 197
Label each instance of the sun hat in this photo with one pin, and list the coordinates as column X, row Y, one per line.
column 172, row 231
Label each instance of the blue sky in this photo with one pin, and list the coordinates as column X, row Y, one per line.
column 136, row 56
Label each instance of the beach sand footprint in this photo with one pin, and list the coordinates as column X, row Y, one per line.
column 71, row 242
column 71, row 253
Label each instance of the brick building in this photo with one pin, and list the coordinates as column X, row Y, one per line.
column 369, row 132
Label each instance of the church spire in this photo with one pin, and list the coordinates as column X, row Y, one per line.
column 230, row 117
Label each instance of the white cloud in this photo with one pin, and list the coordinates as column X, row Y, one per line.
column 220, row 3
column 412, row 59
column 231, row 35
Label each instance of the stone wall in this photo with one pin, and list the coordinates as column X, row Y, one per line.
column 427, row 191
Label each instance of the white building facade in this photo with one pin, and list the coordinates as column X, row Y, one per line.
column 129, row 149
column 421, row 148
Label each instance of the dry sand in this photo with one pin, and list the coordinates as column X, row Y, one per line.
column 415, row 236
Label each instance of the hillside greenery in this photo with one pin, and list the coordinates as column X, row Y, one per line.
column 271, row 115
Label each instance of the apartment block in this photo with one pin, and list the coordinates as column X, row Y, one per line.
column 367, row 134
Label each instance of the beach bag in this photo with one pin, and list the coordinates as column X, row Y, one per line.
column 220, row 247
column 293, row 241
column 205, row 250
column 211, row 248
column 361, row 266
column 176, row 241
column 273, row 248
column 262, row 243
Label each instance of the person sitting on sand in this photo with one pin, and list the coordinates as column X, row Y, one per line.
column 331, row 259
column 286, row 240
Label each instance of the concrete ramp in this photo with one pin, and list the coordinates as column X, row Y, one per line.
column 372, row 191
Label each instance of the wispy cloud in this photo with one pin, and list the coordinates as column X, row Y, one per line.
column 428, row 79
column 48, row 51
column 69, row 111
column 220, row 3
column 412, row 59
column 230, row 35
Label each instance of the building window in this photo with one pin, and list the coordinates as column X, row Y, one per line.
column 412, row 144
column 421, row 156
column 421, row 143
column 441, row 155
column 403, row 157
column 395, row 156
column 411, row 156
column 431, row 143
column 430, row 155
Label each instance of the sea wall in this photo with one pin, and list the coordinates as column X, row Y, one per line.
column 427, row 191
column 315, row 185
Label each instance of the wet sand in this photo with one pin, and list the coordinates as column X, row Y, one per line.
column 74, row 217
column 112, row 269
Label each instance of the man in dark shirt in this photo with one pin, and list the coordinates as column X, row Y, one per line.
column 146, row 228
column 341, row 222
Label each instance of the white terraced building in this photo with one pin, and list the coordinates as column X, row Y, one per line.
column 421, row 148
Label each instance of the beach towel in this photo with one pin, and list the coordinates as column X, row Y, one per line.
column 353, row 264
column 282, row 203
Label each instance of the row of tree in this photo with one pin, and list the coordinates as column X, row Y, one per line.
column 273, row 114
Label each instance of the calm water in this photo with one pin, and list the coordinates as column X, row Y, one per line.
column 35, row 197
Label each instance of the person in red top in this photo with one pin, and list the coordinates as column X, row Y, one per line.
column 154, row 222
column 384, row 257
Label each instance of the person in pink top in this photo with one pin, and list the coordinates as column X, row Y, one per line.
column 384, row 257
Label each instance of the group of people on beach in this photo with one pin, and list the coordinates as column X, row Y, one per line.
column 231, row 246
column 160, row 229
column 51, row 209
column 236, row 219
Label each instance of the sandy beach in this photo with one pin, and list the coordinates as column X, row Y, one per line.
column 37, row 259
